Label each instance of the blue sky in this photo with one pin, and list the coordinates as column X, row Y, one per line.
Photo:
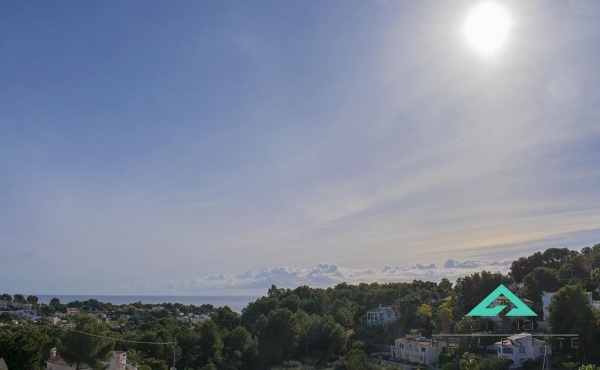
column 158, row 146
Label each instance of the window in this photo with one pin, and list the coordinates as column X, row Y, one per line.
column 521, row 349
column 401, row 345
column 507, row 350
column 423, row 349
column 389, row 314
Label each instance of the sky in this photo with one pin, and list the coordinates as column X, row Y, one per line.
column 218, row 147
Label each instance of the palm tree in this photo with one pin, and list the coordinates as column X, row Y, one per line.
column 135, row 356
column 468, row 361
column 425, row 312
column 505, row 319
column 445, row 314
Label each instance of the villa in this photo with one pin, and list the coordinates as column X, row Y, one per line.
column 380, row 316
column 419, row 349
column 522, row 347
column 118, row 361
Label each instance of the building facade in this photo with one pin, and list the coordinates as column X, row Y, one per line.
column 418, row 349
column 380, row 316
column 522, row 347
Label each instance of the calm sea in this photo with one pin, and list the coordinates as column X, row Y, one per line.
column 236, row 303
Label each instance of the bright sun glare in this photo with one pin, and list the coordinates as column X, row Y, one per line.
column 487, row 27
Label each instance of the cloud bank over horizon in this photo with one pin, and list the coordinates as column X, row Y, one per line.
column 322, row 275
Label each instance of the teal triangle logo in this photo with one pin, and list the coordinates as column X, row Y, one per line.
column 482, row 309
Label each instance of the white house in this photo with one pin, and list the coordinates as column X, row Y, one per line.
column 72, row 311
column 119, row 362
column 521, row 347
column 547, row 298
column 418, row 349
column 380, row 316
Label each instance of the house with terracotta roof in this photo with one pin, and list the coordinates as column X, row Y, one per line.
column 55, row 362
column 118, row 361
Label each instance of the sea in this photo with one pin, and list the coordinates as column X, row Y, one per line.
column 236, row 303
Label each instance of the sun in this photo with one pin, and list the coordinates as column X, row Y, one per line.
column 487, row 27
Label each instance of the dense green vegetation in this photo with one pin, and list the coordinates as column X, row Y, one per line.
column 310, row 327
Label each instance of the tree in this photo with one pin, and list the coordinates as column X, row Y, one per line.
column 445, row 314
column 19, row 298
column 6, row 297
column 211, row 344
column 33, row 300
column 506, row 320
column 464, row 326
column 468, row 361
column 21, row 346
column 571, row 313
column 89, row 349
column 240, row 348
column 155, row 364
column 225, row 318
column 541, row 279
column 209, row 366
column 135, row 356
column 278, row 341
column 569, row 365
column 357, row 360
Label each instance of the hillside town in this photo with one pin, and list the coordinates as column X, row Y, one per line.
column 419, row 325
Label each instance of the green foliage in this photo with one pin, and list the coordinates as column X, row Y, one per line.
column 321, row 325
column 79, row 349
column 570, row 313
column 240, row 347
column 210, row 343
column 225, row 318
column 21, row 346
column 357, row 360
column 209, row 366
column 541, row 279
column 494, row 364
column 279, row 340
column 569, row 365
column 529, row 364
column 468, row 361
column 155, row 364
column 471, row 290
column 551, row 258
column 445, row 314
column 450, row 366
